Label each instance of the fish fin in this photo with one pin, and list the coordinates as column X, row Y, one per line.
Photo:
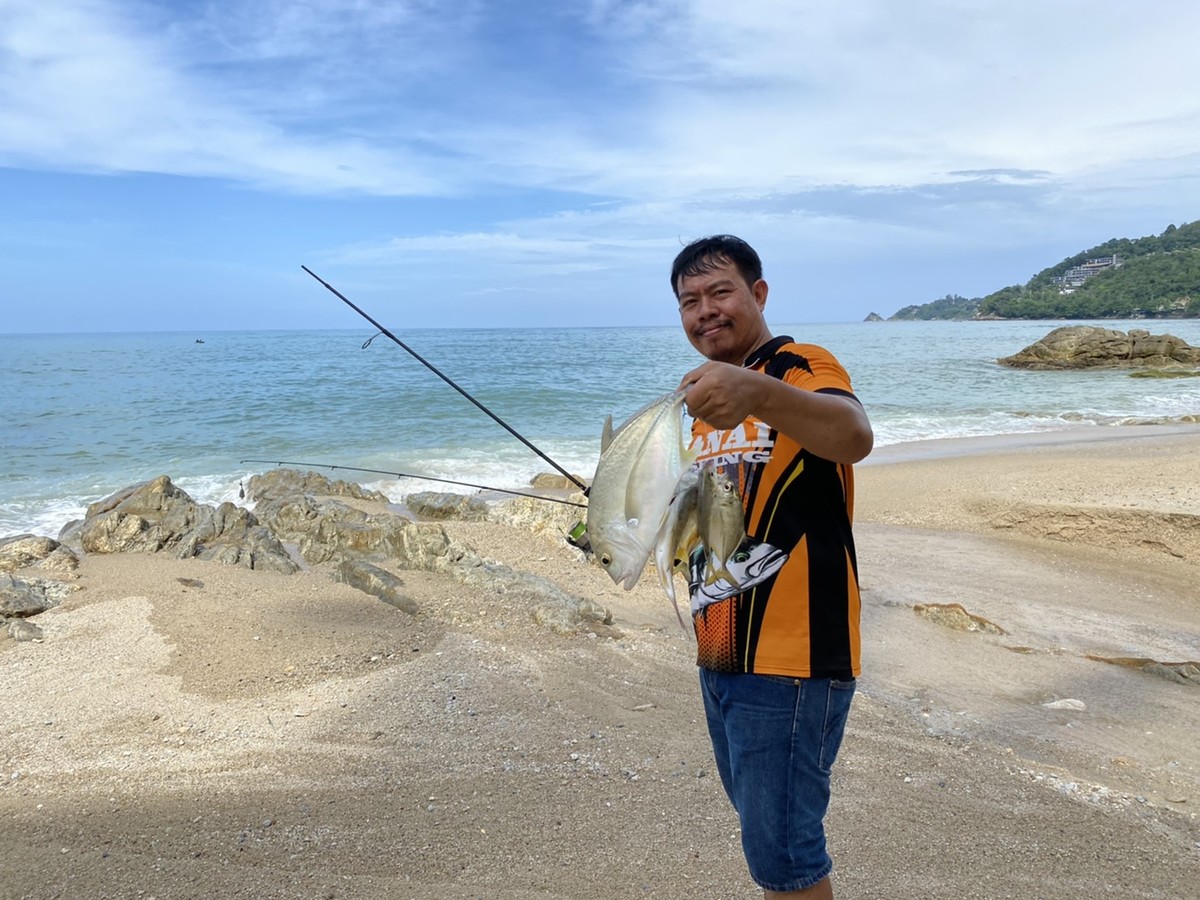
column 679, row 615
column 606, row 435
column 667, row 576
column 717, row 572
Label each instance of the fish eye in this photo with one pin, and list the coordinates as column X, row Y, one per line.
column 605, row 560
column 741, row 556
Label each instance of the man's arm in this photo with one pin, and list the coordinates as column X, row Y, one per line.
column 832, row 426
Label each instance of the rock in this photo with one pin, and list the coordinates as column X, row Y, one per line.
column 21, row 630
column 327, row 530
column 1090, row 346
column 23, row 550
column 555, row 481
column 955, row 615
column 338, row 523
column 1066, row 703
column 571, row 615
column 538, row 516
column 318, row 516
column 529, row 513
column 157, row 517
column 62, row 561
column 377, row 582
column 33, row 551
column 21, row 598
column 441, row 505
column 289, row 482
column 873, row 317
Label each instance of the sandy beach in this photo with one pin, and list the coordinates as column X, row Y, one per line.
column 193, row 730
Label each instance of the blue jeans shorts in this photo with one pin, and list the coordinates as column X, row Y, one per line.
column 775, row 739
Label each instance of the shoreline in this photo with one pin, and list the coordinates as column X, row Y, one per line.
column 191, row 729
column 1067, row 436
column 898, row 452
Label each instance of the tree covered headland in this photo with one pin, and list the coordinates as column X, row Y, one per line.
column 1158, row 277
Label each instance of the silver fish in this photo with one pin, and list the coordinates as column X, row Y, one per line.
column 679, row 534
column 640, row 464
column 721, row 520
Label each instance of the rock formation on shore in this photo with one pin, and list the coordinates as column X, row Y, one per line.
column 1090, row 346
column 299, row 520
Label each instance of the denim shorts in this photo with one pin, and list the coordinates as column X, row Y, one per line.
column 775, row 739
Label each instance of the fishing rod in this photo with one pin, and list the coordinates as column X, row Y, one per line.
column 481, row 487
column 444, row 378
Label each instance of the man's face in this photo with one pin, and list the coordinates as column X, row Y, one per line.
column 721, row 314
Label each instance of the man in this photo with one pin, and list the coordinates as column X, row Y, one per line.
column 777, row 633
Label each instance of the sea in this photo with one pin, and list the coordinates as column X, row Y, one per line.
column 85, row 415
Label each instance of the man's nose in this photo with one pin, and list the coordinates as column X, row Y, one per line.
column 706, row 307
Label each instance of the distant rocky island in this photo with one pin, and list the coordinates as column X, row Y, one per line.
column 1155, row 277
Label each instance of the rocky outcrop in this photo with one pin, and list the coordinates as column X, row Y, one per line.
column 289, row 482
column 361, row 539
column 34, row 551
column 439, row 505
column 326, row 529
column 21, row 599
column 1090, row 346
column 158, row 517
column 538, row 516
column 358, row 532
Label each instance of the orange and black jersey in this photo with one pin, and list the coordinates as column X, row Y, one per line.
column 794, row 609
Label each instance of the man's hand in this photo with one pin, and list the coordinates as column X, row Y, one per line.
column 831, row 426
column 721, row 394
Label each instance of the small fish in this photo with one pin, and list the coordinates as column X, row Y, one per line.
column 679, row 535
column 721, row 521
column 640, row 464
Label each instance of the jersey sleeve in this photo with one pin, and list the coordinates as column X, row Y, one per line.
column 818, row 370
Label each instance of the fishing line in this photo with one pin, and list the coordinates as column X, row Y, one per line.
column 481, row 487
column 444, row 378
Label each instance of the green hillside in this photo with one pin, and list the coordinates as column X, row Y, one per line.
column 1155, row 277
column 951, row 306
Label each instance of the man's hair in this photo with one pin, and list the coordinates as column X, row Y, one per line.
column 708, row 253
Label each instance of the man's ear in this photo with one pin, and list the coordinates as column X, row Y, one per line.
column 759, row 289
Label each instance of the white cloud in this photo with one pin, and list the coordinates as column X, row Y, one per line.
column 687, row 97
column 85, row 89
column 821, row 131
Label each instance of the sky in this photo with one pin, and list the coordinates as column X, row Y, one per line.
column 169, row 165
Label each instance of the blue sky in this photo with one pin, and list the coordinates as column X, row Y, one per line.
column 170, row 165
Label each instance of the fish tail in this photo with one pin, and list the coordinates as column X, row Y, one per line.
column 667, row 575
column 678, row 614
column 717, row 571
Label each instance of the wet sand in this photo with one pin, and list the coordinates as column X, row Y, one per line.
column 243, row 734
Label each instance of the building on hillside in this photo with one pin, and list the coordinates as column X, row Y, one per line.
column 1074, row 277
